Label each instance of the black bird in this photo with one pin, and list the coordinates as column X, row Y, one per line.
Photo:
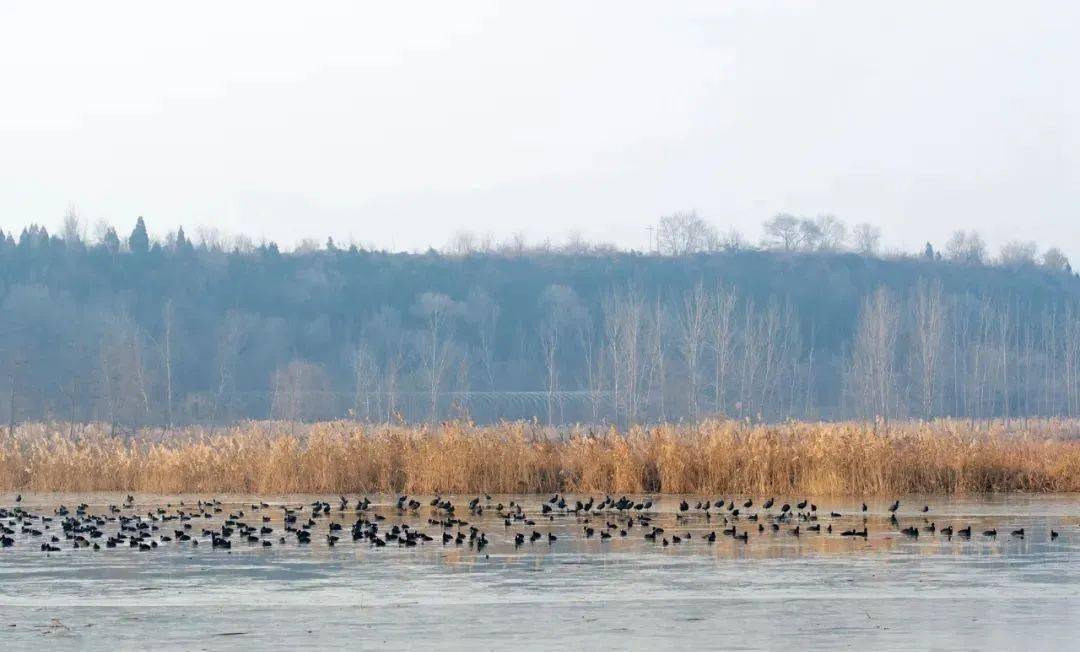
column 768, row 503
column 864, row 507
column 925, row 508
column 895, row 506
column 749, row 503
column 1053, row 535
column 802, row 504
column 990, row 533
column 1018, row 533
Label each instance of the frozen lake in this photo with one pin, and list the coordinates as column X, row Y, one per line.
column 776, row 590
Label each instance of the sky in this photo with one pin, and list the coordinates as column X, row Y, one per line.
column 398, row 124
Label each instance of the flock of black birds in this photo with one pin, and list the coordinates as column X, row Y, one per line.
column 206, row 522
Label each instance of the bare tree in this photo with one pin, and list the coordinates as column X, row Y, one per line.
column 595, row 365
column 693, row 328
column 752, row 345
column 229, row 350
column 301, row 392
column 73, row 230
column 966, row 247
column 1018, row 254
column 784, row 231
column 623, row 317
column 929, row 337
column 463, row 243
column 681, row 234
column 17, row 364
column 723, row 340
column 122, row 375
column 810, row 235
column 1054, row 260
column 867, row 239
column 778, row 335
column 613, row 335
column 168, row 317
column 482, row 311
column 657, row 349
column 438, row 311
column 832, row 233
column 1070, row 363
column 364, row 378
column 873, row 372
column 792, row 233
column 734, row 242
column 386, row 336
column 136, row 347
column 564, row 314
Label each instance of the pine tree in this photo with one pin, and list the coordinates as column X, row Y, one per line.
column 139, row 241
column 111, row 240
column 183, row 245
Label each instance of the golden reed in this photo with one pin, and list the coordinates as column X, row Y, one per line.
column 720, row 457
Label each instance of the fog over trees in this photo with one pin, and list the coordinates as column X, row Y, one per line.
column 814, row 322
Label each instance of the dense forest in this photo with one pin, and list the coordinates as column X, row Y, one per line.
column 812, row 323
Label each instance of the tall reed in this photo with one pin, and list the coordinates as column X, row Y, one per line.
column 712, row 458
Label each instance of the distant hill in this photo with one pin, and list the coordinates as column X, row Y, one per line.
column 134, row 332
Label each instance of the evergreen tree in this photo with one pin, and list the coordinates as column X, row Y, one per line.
column 183, row 245
column 111, row 241
column 139, row 241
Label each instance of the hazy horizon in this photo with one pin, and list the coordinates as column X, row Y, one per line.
column 398, row 128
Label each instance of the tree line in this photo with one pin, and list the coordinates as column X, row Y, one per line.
column 813, row 323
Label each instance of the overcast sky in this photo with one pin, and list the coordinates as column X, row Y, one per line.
column 397, row 124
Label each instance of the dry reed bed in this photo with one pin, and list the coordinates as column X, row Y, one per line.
column 723, row 457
